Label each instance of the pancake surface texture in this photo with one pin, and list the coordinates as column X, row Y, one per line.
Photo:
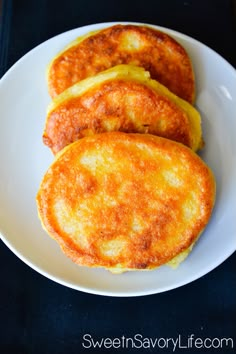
column 165, row 59
column 125, row 201
column 123, row 98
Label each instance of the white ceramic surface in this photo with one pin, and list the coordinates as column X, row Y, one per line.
column 24, row 159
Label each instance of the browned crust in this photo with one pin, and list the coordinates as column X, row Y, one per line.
column 165, row 59
column 124, row 197
column 118, row 105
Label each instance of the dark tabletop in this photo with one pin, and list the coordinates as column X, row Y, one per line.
column 42, row 317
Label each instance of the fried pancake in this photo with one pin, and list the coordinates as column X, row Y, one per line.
column 122, row 98
column 144, row 46
column 126, row 201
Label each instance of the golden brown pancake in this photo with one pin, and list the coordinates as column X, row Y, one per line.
column 122, row 98
column 165, row 59
column 126, row 201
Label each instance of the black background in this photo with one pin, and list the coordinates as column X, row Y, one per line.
column 39, row 316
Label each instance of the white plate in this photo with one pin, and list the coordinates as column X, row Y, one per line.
column 24, row 159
